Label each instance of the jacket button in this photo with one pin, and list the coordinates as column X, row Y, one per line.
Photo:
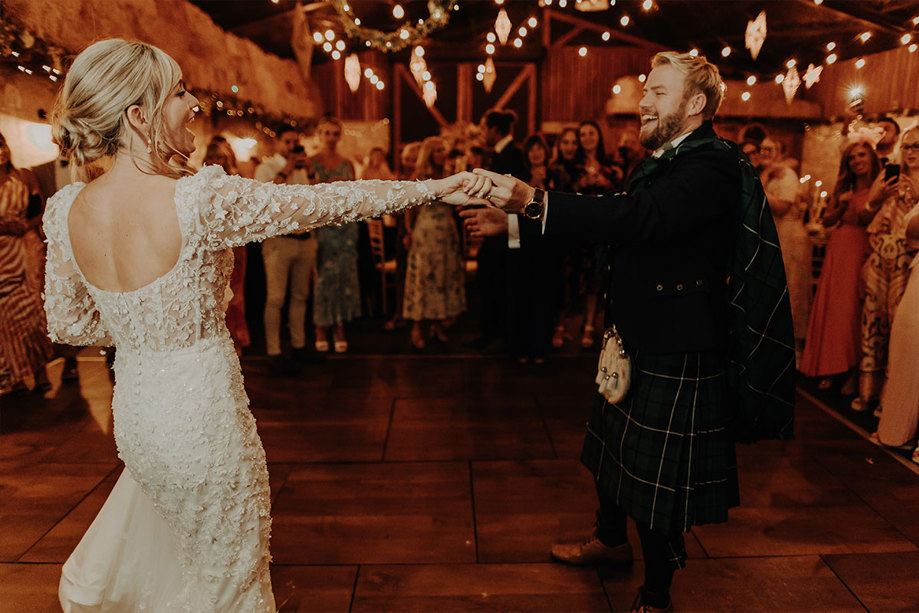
column 699, row 282
column 679, row 287
column 660, row 288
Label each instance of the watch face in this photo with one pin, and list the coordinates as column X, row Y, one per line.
column 533, row 210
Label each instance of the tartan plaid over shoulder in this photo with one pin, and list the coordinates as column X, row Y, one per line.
column 761, row 371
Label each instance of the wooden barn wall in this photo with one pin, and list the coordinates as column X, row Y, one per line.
column 368, row 102
column 889, row 79
column 576, row 88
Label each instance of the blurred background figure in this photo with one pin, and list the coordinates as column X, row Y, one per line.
column 832, row 346
column 220, row 153
column 435, row 289
column 24, row 345
column 337, row 299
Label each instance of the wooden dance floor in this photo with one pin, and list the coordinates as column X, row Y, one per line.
column 439, row 483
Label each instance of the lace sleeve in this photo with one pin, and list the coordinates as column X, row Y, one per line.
column 233, row 211
column 73, row 318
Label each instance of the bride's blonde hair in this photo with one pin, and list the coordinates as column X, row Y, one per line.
column 90, row 114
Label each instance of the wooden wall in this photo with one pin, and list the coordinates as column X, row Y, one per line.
column 367, row 103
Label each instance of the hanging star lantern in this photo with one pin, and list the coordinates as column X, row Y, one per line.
column 353, row 72
column 429, row 95
column 756, row 34
column 503, row 26
column 791, row 84
column 418, row 66
column 490, row 76
column 812, row 75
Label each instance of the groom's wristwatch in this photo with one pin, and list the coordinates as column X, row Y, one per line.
column 534, row 208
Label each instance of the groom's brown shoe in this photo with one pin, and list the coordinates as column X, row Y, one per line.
column 594, row 553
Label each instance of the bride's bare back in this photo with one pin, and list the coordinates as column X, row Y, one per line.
column 124, row 230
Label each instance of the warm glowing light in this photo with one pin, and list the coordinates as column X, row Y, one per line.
column 518, row 43
column 856, row 92
column 617, row 88
column 790, row 63
column 582, row 51
column 317, row 36
column 327, row 47
column 818, row 183
column 860, row 63
column 532, row 22
column 503, row 26
column 726, row 52
column 823, row 194
column 745, row 96
column 403, row 34
column 490, row 37
column 234, row 89
column 380, row 85
column 751, row 80
column 864, row 36
column 625, row 20
column 489, row 49
column 916, row 21
column 831, row 58
column 522, row 31
column 779, row 78
column 340, row 45
column 329, row 35
column 642, row 78
column 419, row 51
column 912, row 48
column 398, row 12
column 374, row 79
column 830, row 46
column 480, row 76
column 336, row 55
column 357, row 21
column 426, row 76
column 605, row 36
column 647, row 5
column 818, row 2
column 906, row 38
column 368, row 72
column 429, row 85
column 694, row 52
column 481, row 68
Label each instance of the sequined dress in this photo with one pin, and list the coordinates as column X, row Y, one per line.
column 186, row 527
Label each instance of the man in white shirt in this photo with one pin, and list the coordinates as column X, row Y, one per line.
column 287, row 258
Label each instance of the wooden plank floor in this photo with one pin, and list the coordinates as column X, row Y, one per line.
column 439, row 483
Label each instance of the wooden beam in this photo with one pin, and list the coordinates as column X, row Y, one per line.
column 859, row 12
column 407, row 76
column 567, row 36
column 532, row 99
column 464, row 85
column 590, row 25
column 522, row 76
column 397, row 124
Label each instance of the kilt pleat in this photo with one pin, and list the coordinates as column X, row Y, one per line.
column 664, row 453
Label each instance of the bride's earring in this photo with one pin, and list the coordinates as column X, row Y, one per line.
column 149, row 145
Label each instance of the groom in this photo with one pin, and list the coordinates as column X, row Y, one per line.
column 697, row 293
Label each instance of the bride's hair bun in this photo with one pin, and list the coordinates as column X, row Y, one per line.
column 89, row 120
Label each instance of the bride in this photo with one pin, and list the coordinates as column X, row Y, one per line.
column 139, row 258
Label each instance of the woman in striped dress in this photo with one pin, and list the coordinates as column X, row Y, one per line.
column 24, row 346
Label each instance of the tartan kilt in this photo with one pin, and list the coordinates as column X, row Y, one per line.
column 664, row 454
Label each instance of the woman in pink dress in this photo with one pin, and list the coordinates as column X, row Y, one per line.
column 832, row 346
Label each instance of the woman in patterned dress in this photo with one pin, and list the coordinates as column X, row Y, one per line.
column 24, row 346
column 434, row 280
column 337, row 299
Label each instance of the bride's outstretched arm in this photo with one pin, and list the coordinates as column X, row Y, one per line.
column 235, row 211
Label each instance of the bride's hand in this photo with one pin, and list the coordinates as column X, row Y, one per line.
column 462, row 189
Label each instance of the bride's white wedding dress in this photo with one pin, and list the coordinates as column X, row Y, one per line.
column 186, row 527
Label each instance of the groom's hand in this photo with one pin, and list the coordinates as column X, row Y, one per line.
column 507, row 192
column 463, row 189
column 486, row 221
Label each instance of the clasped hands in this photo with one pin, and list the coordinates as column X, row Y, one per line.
column 500, row 195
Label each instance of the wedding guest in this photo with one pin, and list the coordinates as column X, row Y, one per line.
column 376, row 166
column 289, row 260
column 630, row 152
column 568, row 286
column 595, row 174
column 781, row 184
column 337, row 299
column 832, row 346
column 886, row 147
column 886, row 269
column 24, row 345
column 900, row 398
column 435, row 283
column 220, row 154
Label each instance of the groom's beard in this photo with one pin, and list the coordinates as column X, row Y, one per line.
column 666, row 129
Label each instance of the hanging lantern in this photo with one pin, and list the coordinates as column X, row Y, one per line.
column 756, row 34
column 490, row 75
column 791, row 83
column 812, row 75
column 591, row 5
column 353, row 72
column 418, row 66
column 503, row 26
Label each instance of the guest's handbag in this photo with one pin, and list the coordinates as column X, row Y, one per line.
column 614, row 370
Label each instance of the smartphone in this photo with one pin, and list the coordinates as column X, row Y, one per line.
column 297, row 149
column 891, row 171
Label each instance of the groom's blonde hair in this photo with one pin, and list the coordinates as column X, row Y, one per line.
column 702, row 77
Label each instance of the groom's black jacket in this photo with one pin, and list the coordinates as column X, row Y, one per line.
column 670, row 237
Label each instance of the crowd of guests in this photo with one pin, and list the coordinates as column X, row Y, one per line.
column 857, row 331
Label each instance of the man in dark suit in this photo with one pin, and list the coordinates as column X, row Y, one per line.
column 697, row 293
column 505, row 158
